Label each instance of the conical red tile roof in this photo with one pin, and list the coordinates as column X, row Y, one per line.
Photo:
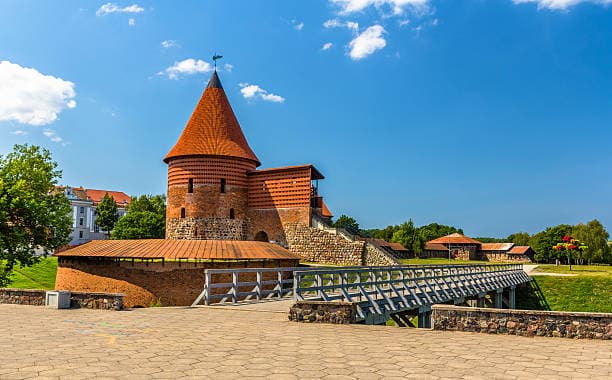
column 213, row 129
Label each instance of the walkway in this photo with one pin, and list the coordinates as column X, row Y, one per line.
column 530, row 270
column 210, row 342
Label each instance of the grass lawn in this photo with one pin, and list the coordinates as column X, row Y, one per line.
column 589, row 291
column 439, row 261
column 38, row 276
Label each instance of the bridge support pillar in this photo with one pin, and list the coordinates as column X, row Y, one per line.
column 425, row 317
column 499, row 298
column 481, row 300
column 512, row 297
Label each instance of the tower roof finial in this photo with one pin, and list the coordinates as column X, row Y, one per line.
column 215, row 57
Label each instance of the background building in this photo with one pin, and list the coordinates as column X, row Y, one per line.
column 84, row 202
column 465, row 248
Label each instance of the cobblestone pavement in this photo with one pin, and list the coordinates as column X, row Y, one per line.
column 224, row 344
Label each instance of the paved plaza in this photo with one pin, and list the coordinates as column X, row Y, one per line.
column 226, row 343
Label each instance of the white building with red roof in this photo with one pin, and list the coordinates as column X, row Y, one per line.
column 84, row 203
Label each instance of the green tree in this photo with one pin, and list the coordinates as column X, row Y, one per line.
column 145, row 219
column 435, row 230
column 106, row 214
column 32, row 214
column 409, row 236
column 519, row 238
column 595, row 237
column 543, row 241
column 348, row 223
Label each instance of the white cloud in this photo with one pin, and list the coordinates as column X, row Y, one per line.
column 228, row 67
column 251, row 91
column 403, row 22
column 19, row 133
column 561, row 4
column 327, row 46
column 299, row 26
column 367, row 42
column 29, row 97
column 188, row 66
column 166, row 44
column 335, row 23
column 109, row 8
column 396, row 6
column 52, row 135
column 131, row 22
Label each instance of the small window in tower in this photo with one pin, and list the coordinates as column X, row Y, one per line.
column 190, row 186
column 222, row 185
column 232, row 213
column 182, row 212
column 80, row 234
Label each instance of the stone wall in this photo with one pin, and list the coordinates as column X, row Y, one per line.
column 375, row 256
column 503, row 257
column 337, row 312
column 272, row 220
column 523, row 322
column 207, row 228
column 145, row 284
column 322, row 247
column 22, row 296
column 36, row 297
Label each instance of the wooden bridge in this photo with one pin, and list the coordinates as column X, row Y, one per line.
column 379, row 293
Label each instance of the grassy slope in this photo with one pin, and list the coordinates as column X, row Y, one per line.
column 38, row 276
column 590, row 290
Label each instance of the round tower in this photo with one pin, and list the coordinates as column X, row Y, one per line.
column 207, row 173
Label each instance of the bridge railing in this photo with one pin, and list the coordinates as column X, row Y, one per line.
column 379, row 290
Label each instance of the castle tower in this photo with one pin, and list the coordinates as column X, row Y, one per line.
column 207, row 173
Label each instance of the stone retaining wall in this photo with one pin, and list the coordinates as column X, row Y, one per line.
column 375, row 256
column 338, row 312
column 523, row 322
column 323, row 247
column 36, row 297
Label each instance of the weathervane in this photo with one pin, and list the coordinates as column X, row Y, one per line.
column 215, row 57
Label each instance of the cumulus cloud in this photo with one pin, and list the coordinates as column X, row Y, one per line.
column 188, row 66
column 252, row 91
column 30, row 97
column 561, row 4
column 396, row 6
column 166, row 44
column 335, row 23
column 131, row 22
column 367, row 42
column 109, row 8
column 327, row 46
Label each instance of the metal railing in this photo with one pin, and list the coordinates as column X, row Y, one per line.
column 391, row 289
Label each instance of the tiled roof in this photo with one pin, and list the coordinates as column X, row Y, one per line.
column 519, row 250
column 315, row 174
column 397, row 247
column 496, row 246
column 180, row 249
column 213, row 129
column 96, row 196
column 381, row 242
column 325, row 211
column 435, row 247
column 455, row 238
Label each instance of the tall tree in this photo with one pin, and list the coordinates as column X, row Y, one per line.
column 106, row 214
column 145, row 219
column 348, row 223
column 408, row 236
column 519, row 238
column 595, row 237
column 32, row 214
column 435, row 230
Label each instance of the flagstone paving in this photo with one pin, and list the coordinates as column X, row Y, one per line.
column 223, row 343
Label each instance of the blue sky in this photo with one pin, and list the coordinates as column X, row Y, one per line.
column 495, row 116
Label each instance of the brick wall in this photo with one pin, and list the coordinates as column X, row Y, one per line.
column 144, row 284
column 523, row 322
column 272, row 221
column 322, row 247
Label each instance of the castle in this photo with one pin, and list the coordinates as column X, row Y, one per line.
column 215, row 190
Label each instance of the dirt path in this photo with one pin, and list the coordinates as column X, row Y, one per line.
column 530, row 270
